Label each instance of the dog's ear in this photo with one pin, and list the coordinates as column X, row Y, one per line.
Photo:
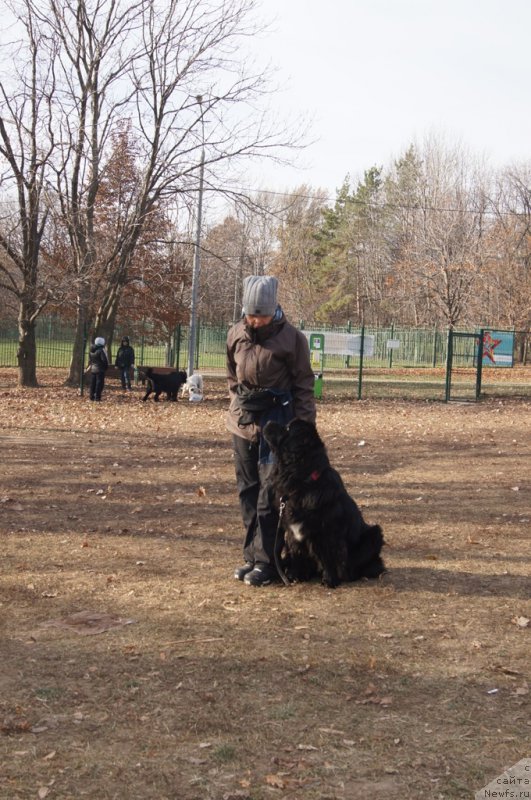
column 303, row 434
column 301, row 427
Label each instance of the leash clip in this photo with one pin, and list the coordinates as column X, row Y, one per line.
column 281, row 507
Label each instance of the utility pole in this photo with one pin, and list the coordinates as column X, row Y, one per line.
column 197, row 253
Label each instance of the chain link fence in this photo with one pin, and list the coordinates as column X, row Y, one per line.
column 357, row 362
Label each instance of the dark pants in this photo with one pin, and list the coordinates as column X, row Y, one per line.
column 260, row 518
column 125, row 375
column 97, row 382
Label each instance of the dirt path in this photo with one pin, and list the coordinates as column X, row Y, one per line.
column 183, row 684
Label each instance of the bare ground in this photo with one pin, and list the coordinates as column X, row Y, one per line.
column 413, row 686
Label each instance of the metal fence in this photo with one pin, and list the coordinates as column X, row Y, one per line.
column 381, row 367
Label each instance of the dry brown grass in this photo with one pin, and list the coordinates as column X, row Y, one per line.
column 415, row 686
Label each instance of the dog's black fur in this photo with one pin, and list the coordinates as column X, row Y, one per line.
column 170, row 383
column 325, row 533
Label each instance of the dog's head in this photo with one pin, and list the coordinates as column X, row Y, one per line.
column 145, row 374
column 293, row 443
column 195, row 382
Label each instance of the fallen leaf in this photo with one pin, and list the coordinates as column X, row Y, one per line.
column 275, row 781
column 521, row 622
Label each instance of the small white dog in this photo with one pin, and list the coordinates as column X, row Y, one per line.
column 194, row 388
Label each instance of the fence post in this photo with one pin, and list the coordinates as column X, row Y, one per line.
column 449, row 359
column 349, row 329
column 434, row 363
column 480, row 362
column 360, row 371
column 391, row 349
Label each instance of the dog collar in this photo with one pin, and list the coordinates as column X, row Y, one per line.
column 315, row 475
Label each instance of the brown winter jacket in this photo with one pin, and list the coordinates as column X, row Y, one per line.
column 274, row 357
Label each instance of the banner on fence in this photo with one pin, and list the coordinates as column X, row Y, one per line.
column 498, row 348
column 345, row 344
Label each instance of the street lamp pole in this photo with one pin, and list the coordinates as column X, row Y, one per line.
column 197, row 253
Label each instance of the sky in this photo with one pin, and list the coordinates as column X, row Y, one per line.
column 375, row 76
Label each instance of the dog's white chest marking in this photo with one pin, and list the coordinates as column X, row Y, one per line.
column 296, row 529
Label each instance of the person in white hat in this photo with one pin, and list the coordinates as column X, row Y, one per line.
column 270, row 377
column 98, row 363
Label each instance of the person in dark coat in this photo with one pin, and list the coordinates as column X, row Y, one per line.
column 98, row 363
column 270, row 377
column 125, row 358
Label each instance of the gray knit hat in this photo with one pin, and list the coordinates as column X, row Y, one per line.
column 260, row 295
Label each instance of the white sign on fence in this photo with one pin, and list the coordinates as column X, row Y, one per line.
column 393, row 344
column 346, row 344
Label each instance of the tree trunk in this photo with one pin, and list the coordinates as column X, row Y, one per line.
column 77, row 365
column 27, row 349
column 106, row 315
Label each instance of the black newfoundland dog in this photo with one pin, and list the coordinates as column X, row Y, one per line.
column 169, row 383
column 325, row 533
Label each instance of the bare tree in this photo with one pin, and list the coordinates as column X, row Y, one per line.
column 441, row 217
column 245, row 243
column 173, row 69
column 506, row 278
column 225, row 257
column 26, row 146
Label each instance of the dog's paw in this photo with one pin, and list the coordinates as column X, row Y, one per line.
column 291, row 576
column 330, row 581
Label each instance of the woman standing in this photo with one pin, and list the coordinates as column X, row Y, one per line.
column 270, row 377
column 98, row 362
